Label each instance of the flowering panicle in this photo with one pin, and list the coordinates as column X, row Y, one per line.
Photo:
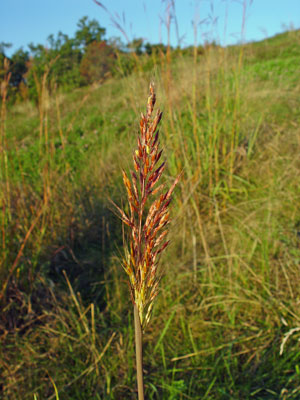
column 148, row 225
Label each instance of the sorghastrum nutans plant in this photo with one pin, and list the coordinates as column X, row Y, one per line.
column 147, row 232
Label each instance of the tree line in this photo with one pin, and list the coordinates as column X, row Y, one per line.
column 71, row 62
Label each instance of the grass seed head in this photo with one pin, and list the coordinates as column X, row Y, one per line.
column 149, row 216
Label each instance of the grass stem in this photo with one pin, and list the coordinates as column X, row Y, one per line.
column 139, row 352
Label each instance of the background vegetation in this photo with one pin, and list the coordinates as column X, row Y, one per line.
column 72, row 62
column 230, row 291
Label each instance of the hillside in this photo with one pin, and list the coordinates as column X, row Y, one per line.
column 230, row 291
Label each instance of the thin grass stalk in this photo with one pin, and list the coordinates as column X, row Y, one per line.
column 40, row 87
column 235, row 123
column 58, row 116
column 5, row 205
column 209, row 139
column 20, row 253
column 168, row 72
column 139, row 352
column 43, row 104
column 194, row 99
column 4, row 90
column 147, row 221
column 236, row 114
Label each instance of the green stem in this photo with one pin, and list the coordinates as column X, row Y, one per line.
column 138, row 352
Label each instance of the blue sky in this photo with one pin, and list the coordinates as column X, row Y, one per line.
column 25, row 21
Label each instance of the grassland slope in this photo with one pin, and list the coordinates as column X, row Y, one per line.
column 230, row 291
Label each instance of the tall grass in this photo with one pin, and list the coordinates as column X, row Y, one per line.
column 147, row 221
column 230, row 290
column 5, row 186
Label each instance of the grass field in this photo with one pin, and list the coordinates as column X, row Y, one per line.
column 230, row 291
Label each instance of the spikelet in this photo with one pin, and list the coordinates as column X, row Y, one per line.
column 148, row 213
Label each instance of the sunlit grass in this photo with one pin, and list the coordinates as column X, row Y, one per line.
column 230, row 290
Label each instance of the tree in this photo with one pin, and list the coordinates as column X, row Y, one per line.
column 59, row 61
column 64, row 58
column 18, row 67
column 98, row 62
column 155, row 48
column 88, row 32
column 68, row 57
column 3, row 46
column 61, row 40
